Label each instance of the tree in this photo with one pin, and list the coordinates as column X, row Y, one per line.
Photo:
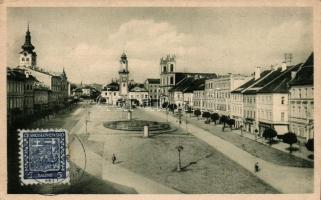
column 224, row 119
column 197, row 113
column 165, row 105
column 269, row 134
column 231, row 122
column 215, row 117
column 172, row 107
column 310, row 145
column 290, row 138
column 206, row 115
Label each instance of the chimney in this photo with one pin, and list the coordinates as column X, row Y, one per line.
column 257, row 73
column 272, row 67
column 293, row 74
column 283, row 66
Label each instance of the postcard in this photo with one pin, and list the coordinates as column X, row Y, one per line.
column 172, row 99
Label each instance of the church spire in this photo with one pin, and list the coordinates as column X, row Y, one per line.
column 27, row 46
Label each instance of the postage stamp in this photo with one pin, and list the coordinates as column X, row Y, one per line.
column 43, row 156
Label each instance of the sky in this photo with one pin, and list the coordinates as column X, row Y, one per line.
column 88, row 42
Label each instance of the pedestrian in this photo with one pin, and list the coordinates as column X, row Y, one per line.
column 113, row 158
column 256, row 167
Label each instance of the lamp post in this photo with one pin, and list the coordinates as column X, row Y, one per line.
column 179, row 149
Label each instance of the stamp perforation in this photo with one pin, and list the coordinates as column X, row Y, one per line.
column 54, row 139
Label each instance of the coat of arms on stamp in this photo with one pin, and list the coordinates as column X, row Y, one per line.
column 43, row 156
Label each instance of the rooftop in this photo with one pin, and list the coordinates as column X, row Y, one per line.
column 304, row 75
column 153, row 80
column 280, row 83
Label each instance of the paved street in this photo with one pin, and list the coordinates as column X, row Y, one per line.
column 301, row 179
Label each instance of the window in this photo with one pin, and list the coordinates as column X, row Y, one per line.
column 164, row 68
column 172, row 80
column 306, row 92
column 300, row 95
column 172, row 67
column 282, row 100
column 282, row 116
column 27, row 59
column 23, row 59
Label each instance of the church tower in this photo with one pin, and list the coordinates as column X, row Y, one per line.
column 28, row 58
column 123, row 75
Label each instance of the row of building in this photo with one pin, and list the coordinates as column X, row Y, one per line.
column 280, row 97
column 31, row 90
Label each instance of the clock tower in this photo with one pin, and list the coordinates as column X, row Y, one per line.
column 123, row 76
column 28, row 58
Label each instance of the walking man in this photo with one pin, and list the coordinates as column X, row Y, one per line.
column 113, row 158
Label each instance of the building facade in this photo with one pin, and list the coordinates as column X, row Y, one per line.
column 152, row 86
column 139, row 94
column 218, row 90
column 111, row 93
column 301, row 101
column 15, row 95
column 272, row 101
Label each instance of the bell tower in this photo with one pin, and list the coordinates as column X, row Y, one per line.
column 28, row 58
column 123, row 75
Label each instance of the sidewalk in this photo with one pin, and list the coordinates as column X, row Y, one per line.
column 298, row 180
column 97, row 166
column 302, row 152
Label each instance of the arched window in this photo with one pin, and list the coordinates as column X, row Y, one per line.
column 172, row 80
column 172, row 67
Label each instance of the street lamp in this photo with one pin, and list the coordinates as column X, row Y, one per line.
column 179, row 149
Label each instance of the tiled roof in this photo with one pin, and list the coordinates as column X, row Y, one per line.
column 153, row 80
column 189, row 84
column 305, row 74
column 244, row 86
column 133, row 87
column 280, row 83
column 182, row 85
column 181, row 75
column 262, row 81
column 251, row 82
column 15, row 75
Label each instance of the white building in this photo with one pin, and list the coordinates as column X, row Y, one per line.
column 217, row 92
column 111, row 93
column 152, row 86
column 140, row 94
column 301, row 101
column 272, row 101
